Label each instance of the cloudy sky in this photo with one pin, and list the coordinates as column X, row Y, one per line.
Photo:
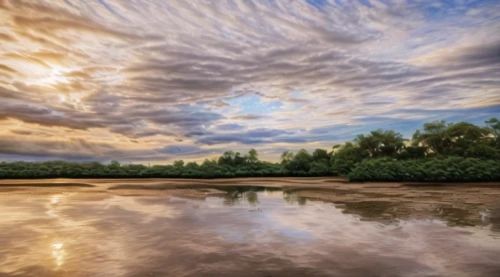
column 157, row 80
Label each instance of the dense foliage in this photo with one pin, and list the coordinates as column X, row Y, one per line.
column 179, row 169
column 448, row 169
column 439, row 152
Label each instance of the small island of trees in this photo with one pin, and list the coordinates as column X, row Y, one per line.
column 440, row 152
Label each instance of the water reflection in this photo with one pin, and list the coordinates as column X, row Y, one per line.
column 456, row 207
column 252, row 231
column 292, row 198
column 58, row 253
column 55, row 199
column 249, row 194
column 386, row 209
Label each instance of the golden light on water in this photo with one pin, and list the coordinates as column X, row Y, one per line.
column 57, row 247
column 55, row 199
column 58, row 253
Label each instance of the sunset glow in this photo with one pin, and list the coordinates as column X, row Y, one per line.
column 155, row 81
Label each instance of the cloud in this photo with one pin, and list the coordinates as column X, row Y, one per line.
column 21, row 132
column 7, row 69
column 230, row 127
column 73, row 149
column 180, row 149
column 247, row 117
column 7, row 37
column 255, row 136
column 160, row 73
column 229, row 138
column 187, row 120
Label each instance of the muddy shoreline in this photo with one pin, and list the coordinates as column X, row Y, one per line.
column 309, row 182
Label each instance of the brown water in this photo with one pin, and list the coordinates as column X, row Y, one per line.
column 244, row 231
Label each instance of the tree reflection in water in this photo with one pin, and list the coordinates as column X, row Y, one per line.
column 386, row 209
column 298, row 231
column 292, row 198
column 237, row 194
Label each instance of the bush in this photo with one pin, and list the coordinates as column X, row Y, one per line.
column 449, row 169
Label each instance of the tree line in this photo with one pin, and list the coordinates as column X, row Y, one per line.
column 440, row 151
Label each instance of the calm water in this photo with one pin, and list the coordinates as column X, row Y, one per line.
column 250, row 232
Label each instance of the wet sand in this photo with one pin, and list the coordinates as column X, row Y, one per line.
column 319, row 181
column 247, row 227
column 312, row 182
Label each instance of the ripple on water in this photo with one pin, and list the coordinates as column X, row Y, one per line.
column 251, row 231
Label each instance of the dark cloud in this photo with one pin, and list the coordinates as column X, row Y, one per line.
column 48, row 117
column 73, row 149
column 136, row 132
column 22, row 132
column 197, row 133
column 293, row 140
column 256, row 136
column 221, row 139
column 230, row 127
column 6, row 93
column 182, row 119
column 180, row 149
column 247, row 116
column 266, row 133
column 486, row 54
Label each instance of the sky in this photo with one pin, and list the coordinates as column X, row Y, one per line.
column 156, row 81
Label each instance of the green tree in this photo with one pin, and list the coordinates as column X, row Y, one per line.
column 493, row 124
column 178, row 164
column 439, row 152
column 114, row 164
column 253, row 156
column 346, row 157
column 320, row 168
column 413, row 152
column 433, row 137
column 227, row 158
column 320, row 155
column 238, row 159
column 192, row 166
column 302, row 160
column 463, row 136
column 287, row 157
column 381, row 143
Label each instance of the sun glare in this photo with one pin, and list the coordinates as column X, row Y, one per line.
column 55, row 199
column 62, row 97
column 58, row 253
column 55, row 76
column 48, row 77
column 57, row 246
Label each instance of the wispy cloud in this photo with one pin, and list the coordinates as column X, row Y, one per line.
column 139, row 79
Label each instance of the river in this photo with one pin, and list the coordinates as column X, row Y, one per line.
column 249, row 230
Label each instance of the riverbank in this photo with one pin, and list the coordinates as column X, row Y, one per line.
column 278, row 182
column 173, row 182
